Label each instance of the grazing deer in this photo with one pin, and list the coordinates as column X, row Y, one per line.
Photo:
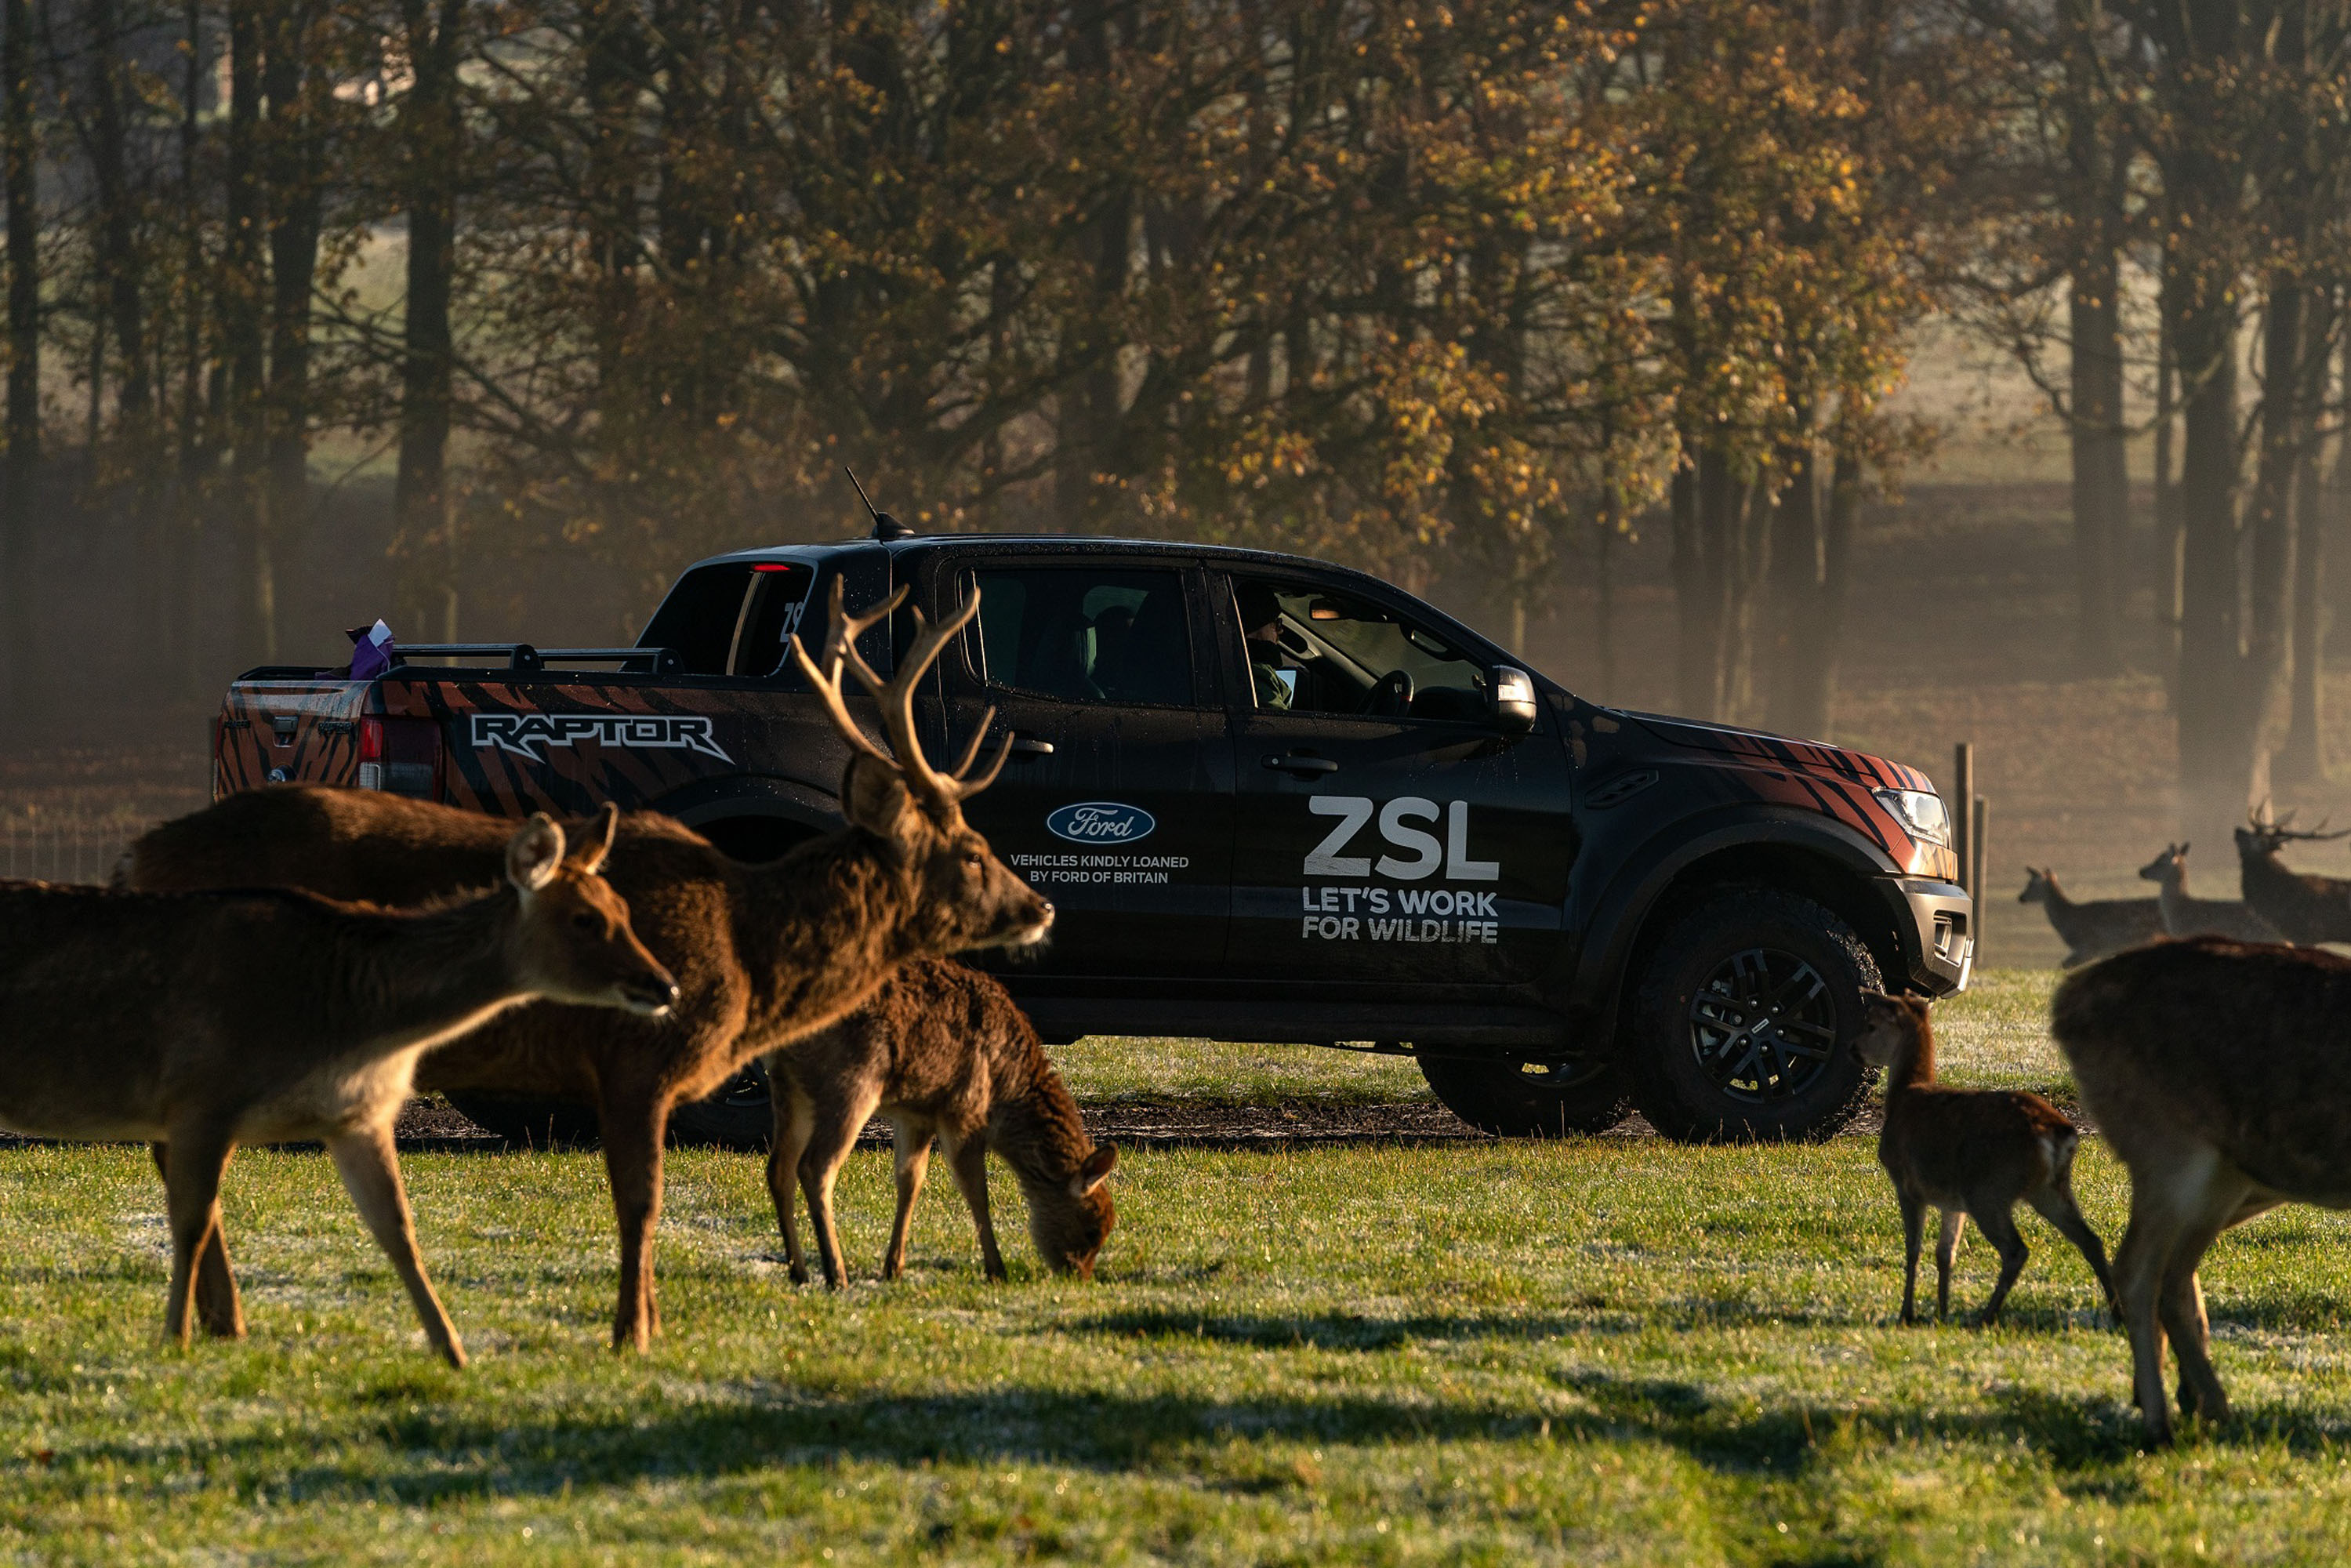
column 939, row 1050
column 1971, row 1153
column 2095, row 928
column 200, row 1021
column 2187, row 916
column 2306, row 909
column 2217, row 1071
column 763, row 954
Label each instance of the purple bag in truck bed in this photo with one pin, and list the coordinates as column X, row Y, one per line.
column 371, row 651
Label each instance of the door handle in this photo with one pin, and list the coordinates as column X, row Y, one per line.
column 1292, row 763
column 1029, row 746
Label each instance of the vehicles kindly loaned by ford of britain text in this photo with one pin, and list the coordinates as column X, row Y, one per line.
column 1273, row 800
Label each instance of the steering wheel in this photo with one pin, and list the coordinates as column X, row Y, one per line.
column 1391, row 695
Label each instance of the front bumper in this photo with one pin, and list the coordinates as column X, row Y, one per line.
column 1939, row 934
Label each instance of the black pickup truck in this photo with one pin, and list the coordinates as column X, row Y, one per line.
column 1274, row 799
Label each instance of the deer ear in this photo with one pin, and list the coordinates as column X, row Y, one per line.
column 1094, row 1171
column 874, row 796
column 595, row 840
column 534, row 853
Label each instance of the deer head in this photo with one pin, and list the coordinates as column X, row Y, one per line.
column 572, row 940
column 2037, row 884
column 2170, row 866
column 2265, row 837
column 1891, row 1027
column 967, row 897
column 1070, row 1226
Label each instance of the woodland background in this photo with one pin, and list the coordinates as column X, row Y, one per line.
column 1596, row 322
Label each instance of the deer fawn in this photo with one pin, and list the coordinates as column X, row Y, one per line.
column 2306, row 909
column 198, row 1021
column 1971, row 1154
column 2217, row 1071
column 2093, row 929
column 939, row 1050
column 763, row 954
column 2186, row 917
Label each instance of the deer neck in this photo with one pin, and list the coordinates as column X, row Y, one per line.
column 2171, row 893
column 2053, row 896
column 418, row 979
column 1032, row 1119
column 1914, row 1068
column 819, row 931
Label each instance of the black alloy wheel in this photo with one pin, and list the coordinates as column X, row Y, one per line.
column 1530, row 1099
column 1761, row 1026
column 1743, row 1024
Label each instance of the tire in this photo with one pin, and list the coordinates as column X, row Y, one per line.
column 1529, row 1099
column 739, row 1117
column 530, row 1124
column 1709, row 983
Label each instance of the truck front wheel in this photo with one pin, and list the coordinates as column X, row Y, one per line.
column 530, row 1123
column 1529, row 1100
column 1745, row 1020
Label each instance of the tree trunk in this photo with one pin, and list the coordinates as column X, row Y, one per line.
column 297, row 199
column 195, row 428
column 2101, row 482
column 2269, row 634
column 2170, row 531
column 2302, row 757
column 241, row 286
column 1799, row 694
column 119, row 269
column 19, row 640
column 427, row 525
column 2212, row 731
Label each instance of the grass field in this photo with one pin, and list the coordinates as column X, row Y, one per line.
column 1608, row 1351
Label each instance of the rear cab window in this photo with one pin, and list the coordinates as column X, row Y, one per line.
column 1091, row 635
column 733, row 617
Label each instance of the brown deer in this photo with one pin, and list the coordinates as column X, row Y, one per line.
column 2184, row 916
column 2217, row 1071
column 2095, row 928
column 1969, row 1153
column 201, row 1020
column 940, row 1050
column 763, row 954
column 2306, row 909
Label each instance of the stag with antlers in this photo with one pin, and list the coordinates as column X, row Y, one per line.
column 763, row 954
column 2306, row 909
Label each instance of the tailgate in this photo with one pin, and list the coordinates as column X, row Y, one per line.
column 287, row 732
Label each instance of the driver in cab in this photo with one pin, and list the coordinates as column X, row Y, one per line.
column 1273, row 673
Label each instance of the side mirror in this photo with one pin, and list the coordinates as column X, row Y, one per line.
column 1512, row 692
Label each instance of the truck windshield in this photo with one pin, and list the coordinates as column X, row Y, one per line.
column 1328, row 653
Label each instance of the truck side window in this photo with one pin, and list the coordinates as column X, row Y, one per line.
column 1310, row 651
column 1084, row 634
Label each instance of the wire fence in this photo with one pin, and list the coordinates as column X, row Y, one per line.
column 68, row 842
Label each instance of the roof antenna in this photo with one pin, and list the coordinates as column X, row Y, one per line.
column 885, row 527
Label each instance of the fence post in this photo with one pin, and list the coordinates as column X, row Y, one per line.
column 1978, row 841
column 1963, row 792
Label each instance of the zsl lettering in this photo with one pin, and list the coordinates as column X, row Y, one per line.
column 1421, row 853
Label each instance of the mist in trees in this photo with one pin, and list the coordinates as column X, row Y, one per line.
column 1471, row 293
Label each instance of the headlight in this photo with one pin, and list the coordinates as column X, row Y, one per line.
column 1919, row 811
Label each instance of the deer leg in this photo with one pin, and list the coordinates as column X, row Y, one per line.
column 2055, row 1203
column 967, row 1158
column 1946, row 1255
column 218, row 1308
column 910, row 1147
column 635, row 1120
column 795, row 1117
column 1914, row 1225
column 370, row 1173
column 193, row 1163
column 2165, row 1197
column 2181, row 1303
column 1999, row 1225
column 838, row 1118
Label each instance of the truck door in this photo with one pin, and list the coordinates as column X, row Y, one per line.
column 1388, row 829
column 1117, row 800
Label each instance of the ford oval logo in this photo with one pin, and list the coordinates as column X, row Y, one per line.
column 1102, row 823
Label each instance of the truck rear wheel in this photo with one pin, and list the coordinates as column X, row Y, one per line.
column 1745, row 1020
column 1529, row 1100
column 738, row 1117
column 530, row 1123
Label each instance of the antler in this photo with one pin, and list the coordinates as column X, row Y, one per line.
column 896, row 697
